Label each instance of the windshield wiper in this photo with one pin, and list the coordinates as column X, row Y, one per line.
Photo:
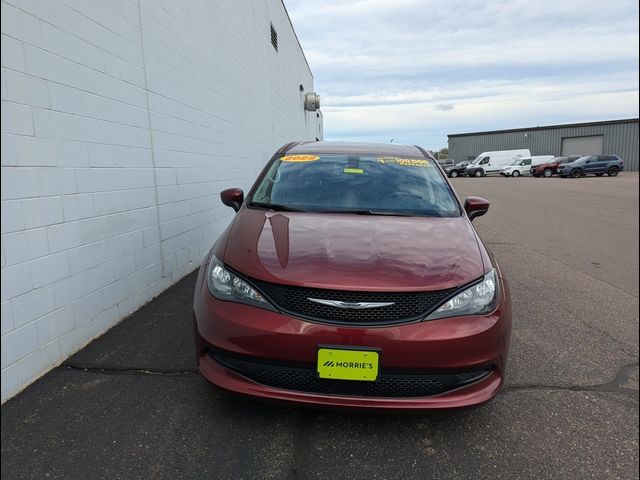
column 276, row 207
column 357, row 211
column 364, row 211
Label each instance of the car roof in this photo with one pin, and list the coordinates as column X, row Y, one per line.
column 360, row 148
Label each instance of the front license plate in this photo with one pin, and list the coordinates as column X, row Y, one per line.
column 348, row 364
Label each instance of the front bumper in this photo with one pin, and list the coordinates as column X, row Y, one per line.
column 446, row 346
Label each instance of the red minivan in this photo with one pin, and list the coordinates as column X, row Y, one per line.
column 351, row 276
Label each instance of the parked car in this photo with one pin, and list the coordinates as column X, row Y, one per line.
column 522, row 166
column 352, row 276
column 550, row 168
column 492, row 162
column 592, row 165
column 457, row 170
column 446, row 162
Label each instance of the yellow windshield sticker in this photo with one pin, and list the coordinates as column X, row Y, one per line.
column 299, row 158
column 353, row 170
column 405, row 162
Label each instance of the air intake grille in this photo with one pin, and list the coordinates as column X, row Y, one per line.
column 305, row 379
column 406, row 306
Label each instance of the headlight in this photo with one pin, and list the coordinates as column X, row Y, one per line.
column 225, row 285
column 479, row 299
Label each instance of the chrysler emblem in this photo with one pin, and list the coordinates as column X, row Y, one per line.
column 352, row 305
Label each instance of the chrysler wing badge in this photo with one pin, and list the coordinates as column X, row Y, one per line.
column 351, row 305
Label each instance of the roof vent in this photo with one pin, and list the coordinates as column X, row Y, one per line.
column 311, row 102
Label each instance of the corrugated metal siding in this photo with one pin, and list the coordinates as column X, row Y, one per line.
column 619, row 139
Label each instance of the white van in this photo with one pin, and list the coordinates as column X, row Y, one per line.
column 522, row 166
column 492, row 162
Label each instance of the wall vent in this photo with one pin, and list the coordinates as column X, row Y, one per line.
column 274, row 38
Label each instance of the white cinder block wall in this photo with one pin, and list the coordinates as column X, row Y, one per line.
column 122, row 120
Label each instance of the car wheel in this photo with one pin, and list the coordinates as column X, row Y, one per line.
column 453, row 174
column 515, row 173
column 613, row 171
column 478, row 173
column 547, row 172
column 576, row 173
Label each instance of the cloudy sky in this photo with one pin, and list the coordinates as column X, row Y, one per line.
column 415, row 70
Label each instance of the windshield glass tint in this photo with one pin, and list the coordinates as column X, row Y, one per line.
column 352, row 183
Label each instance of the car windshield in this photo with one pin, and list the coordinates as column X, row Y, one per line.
column 376, row 185
column 462, row 164
column 517, row 162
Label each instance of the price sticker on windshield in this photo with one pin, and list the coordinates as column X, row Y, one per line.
column 300, row 158
column 405, row 162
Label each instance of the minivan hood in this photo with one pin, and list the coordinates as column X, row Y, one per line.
column 354, row 252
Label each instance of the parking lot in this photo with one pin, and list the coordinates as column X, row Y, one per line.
column 130, row 405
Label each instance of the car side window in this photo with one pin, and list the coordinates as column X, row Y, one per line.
column 526, row 162
column 484, row 161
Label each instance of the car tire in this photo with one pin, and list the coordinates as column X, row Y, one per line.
column 576, row 173
column 453, row 174
column 478, row 173
column 547, row 172
column 515, row 173
column 613, row 171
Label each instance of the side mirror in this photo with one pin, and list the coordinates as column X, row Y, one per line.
column 232, row 197
column 475, row 207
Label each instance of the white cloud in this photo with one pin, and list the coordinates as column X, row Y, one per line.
column 386, row 68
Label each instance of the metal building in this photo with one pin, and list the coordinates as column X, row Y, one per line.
column 614, row 137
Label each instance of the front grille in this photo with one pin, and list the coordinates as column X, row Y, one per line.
column 406, row 307
column 303, row 378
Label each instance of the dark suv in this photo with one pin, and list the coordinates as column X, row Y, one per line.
column 548, row 169
column 457, row 169
column 592, row 165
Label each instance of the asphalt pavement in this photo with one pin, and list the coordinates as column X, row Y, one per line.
column 131, row 405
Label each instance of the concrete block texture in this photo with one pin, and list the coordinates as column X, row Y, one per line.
column 121, row 123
